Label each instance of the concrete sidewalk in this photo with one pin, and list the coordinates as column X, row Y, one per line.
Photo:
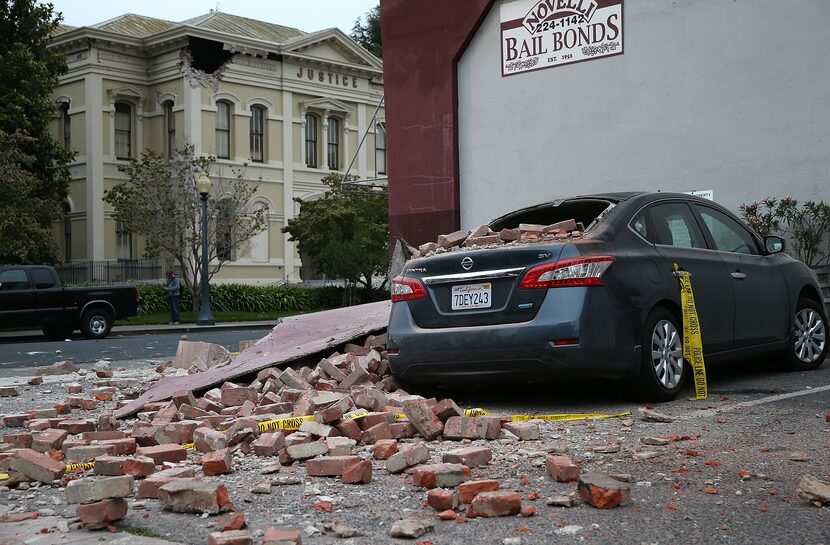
column 135, row 330
column 29, row 532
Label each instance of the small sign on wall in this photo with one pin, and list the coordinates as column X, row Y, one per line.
column 537, row 34
column 705, row 193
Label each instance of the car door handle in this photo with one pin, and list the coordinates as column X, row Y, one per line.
column 737, row 275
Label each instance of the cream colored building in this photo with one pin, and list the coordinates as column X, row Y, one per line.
column 293, row 105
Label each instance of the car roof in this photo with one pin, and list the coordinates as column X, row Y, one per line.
column 616, row 197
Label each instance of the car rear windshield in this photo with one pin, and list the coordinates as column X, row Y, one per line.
column 584, row 211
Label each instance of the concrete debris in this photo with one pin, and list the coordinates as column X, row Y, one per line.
column 343, row 531
column 562, row 500
column 602, row 491
column 410, row 528
column 483, row 237
column 814, row 490
column 194, row 496
column 650, row 415
column 295, row 337
column 208, row 354
column 59, row 368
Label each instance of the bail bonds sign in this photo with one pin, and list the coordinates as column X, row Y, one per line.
column 537, row 34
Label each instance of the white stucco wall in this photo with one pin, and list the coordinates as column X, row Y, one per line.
column 732, row 96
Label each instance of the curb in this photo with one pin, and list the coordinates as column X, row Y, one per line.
column 137, row 330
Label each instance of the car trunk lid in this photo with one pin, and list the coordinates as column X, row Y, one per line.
column 478, row 287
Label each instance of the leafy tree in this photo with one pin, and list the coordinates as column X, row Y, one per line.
column 28, row 73
column 806, row 225
column 160, row 203
column 346, row 232
column 22, row 240
column 368, row 34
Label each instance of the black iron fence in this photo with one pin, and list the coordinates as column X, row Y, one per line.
column 121, row 271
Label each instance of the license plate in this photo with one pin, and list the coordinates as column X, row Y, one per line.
column 470, row 296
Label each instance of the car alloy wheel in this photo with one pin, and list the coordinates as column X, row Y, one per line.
column 810, row 335
column 98, row 324
column 667, row 354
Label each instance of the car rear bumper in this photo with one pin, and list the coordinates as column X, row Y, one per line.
column 520, row 351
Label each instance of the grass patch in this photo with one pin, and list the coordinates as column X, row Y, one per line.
column 137, row 530
column 190, row 317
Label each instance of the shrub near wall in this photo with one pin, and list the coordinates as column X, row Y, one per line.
column 245, row 298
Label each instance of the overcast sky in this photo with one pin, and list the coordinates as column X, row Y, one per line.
column 306, row 15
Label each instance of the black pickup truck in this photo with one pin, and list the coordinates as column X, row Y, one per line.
column 32, row 295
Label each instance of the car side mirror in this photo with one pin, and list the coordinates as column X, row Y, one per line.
column 774, row 244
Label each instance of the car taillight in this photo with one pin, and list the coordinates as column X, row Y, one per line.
column 407, row 289
column 580, row 271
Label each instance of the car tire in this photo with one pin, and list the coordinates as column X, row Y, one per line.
column 807, row 341
column 96, row 323
column 662, row 368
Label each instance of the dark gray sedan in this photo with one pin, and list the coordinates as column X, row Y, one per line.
column 606, row 304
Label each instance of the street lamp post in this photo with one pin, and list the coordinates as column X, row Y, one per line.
column 203, row 185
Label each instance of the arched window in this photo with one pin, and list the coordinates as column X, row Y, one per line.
column 66, row 127
column 257, row 134
column 123, row 131
column 170, row 125
column 223, row 130
column 380, row 147
column 260, row 243
column 311, row 140
column 334, row 143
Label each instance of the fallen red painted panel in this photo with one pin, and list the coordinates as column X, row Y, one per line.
column 293, row 338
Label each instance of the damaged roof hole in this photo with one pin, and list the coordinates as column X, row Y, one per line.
column 208, row 55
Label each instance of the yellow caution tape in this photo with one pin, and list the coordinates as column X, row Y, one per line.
column 290, row 423
column 549, row 417
column 692, row 345
column 69, row 467
column 567, row 417
column 354, row 415
column 80, row 467
column 189, row 446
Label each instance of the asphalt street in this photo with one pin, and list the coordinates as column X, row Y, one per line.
column 730, row 474
column 78, row 350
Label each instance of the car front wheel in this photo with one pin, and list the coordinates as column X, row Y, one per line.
column 808, row 337
column 96, row 323
column 662, row 366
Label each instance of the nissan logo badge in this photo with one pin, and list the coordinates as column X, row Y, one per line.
column 467, row 263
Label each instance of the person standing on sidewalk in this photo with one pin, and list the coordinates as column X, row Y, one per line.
column 174, row 290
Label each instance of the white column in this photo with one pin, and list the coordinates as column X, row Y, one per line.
column 361, row 153
column 303, row 130
column 325, row 122
column 288, row 178
column 345, row 158
column 193, row 116
column 94, row 142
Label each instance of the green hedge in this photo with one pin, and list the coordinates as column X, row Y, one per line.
column 246, row 298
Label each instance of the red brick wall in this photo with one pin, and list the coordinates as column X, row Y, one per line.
column 422, row 41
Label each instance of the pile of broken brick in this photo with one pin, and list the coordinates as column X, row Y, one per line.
column 483, row 237
column 362, row 421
